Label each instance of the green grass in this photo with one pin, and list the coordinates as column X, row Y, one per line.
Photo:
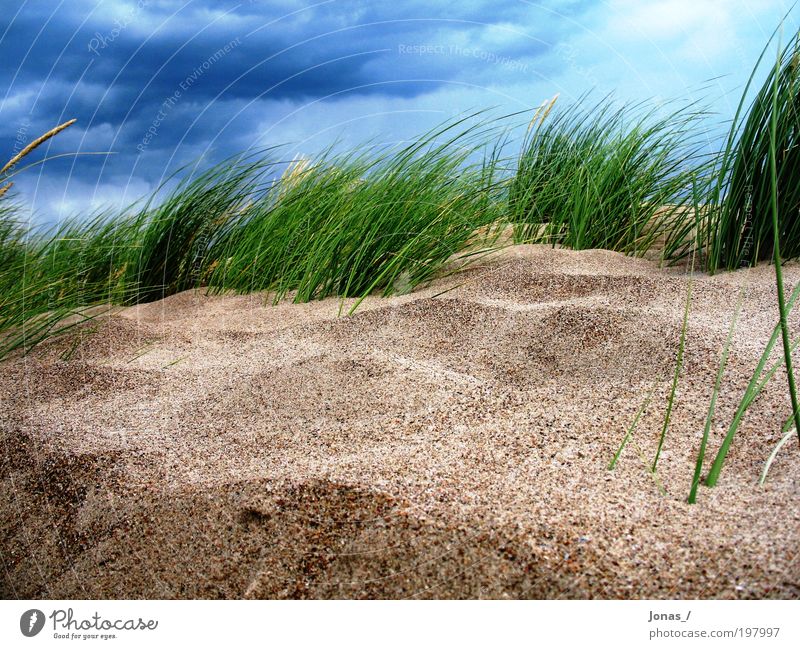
column 605, row 176
column 741, row 233
column 628, row 439
column 772, row 126
column 758, row 381
column 43, row 281
column 777, row 185
column 682, row 340
column 352, row 224
column 170, row 249
column 346, row 225
column 632, row 428
column 701, row 453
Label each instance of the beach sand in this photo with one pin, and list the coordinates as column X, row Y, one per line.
column 449, row 443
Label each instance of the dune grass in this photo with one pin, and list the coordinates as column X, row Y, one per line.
column 54, row 274
column 605, row 176
column 345, row 225
column 171, row 242
column 772, row 127
column 351, row 224
column 684, row 324
column 40, row 287
column 777, row 185
column 741, row 233
column 758, row 381
column 632, row 428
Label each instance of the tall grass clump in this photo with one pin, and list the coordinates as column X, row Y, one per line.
column 762, row 144
column 610, row 177
column 741, row 233
column 170, row 251
column 51, row 273
column 344, row 225
column 35, row 298
column 774, row 185
column 350, row 224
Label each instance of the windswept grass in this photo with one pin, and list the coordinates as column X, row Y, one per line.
column 610, row 177
column 51, row 274
column 774, row 185
column 344, row 225
column 764, row 152
column 34, row 300
column 173, row 240
column 352, row 224
column 741, row 232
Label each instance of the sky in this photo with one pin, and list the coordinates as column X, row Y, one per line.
column 159, row 84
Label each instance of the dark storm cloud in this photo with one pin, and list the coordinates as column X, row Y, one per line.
column 137, row 74
column 142, row 55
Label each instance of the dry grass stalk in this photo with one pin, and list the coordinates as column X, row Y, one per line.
column 542, row 112
column 37, row 142
column 295, row 170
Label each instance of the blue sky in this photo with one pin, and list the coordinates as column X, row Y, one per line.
column 161, row 82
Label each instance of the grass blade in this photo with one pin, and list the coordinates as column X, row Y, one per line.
column 632, row 428
column 787, row 351
column 712, row 405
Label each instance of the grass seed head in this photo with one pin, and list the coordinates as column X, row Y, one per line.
column 36, row 143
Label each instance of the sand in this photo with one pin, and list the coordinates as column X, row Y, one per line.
column 449, row 443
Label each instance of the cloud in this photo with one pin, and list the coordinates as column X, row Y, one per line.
column 162, row 81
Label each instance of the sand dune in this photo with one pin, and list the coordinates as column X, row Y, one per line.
column 452, row 442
